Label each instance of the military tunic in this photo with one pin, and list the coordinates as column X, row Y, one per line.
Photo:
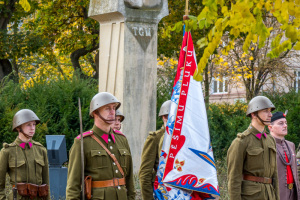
column 32, row 165
column 252, row 155
column 99, row 165
column 284, row 191
column 149, row 163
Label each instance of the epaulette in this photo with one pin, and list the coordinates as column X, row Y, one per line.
column 243, row 135
column 37, row 143
column 119, row 133
column 85, row 134
column 5, row 145
column 153, row 133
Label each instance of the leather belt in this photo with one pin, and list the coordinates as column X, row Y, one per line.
column 257, row 179
column 109, row 183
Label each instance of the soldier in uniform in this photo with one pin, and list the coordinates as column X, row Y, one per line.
column 150, row 154
column 25, row 161
column 286, row 159
column 251, row 158
column 111, row 179
column 119, row 119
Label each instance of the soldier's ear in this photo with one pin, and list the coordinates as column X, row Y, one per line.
column 270, row 127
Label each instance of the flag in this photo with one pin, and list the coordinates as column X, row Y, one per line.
column 186, row 167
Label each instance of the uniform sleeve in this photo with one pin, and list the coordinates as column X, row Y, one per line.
column 73, row 190
column 298, row 161
column 3, row 170
column 129, row 179
column 275, row 179
column 146, row 170
column 235, row 159
column 46, row 172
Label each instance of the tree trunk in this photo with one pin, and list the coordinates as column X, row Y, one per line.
column 6, row 13
column 5, row 68
column 75, row 58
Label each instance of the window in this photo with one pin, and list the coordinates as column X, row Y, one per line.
column 297, row 81
column 219, row 85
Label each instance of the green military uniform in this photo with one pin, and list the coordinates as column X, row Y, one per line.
column 99, row 165
column 149, row 163
column 249, row 155
column 32, row 165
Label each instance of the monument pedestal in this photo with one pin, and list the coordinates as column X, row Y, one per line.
column 128, row 62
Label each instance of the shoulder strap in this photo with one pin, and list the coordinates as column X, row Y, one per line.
column 109, row 153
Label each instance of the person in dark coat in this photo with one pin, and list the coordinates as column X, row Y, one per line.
column 286, row 159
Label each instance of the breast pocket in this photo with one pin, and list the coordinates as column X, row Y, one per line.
column 21, row 167
column 125, row 158
column 39, row 165
column 254, row 158
column 99, row 159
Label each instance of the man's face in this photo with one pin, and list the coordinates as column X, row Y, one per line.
column 28, row 128
column 117, row 124
column 108, row 111
column 265, row 115
column 279, row 128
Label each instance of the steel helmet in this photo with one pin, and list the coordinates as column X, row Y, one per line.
column 259, row 103
column 102, row 99
column 165, row 108
column 119, row 113
column 23, row 116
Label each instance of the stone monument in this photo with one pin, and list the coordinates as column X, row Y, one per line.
column 128, row 62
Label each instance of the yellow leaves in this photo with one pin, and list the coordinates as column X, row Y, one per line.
column 251, row 58
column 25, row 5
column 268, row 5
column 291, row 8
column 225, row 10
column 161, row 63
column 277, row 4
column 297, row 46
column 1, row 2
column 291, row 33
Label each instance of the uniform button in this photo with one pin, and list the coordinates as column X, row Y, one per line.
column 119, row 187
column 114, row 163
column 124, row 151
column 117, row 171
column 109, row 140
column 111, row 147
column 99, row 152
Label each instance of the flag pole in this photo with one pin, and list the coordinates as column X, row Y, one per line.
column 186, row 7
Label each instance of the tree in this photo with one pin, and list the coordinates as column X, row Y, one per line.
column 15, row 42
column 170, row 38
column 69, row 30
column 246, row 24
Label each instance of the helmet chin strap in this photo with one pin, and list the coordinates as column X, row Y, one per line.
column 262, row 121
column 108, row 121
column 27, row 136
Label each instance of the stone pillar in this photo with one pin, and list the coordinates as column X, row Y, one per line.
column 128, row 62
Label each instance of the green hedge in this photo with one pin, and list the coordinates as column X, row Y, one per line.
column 56, row 104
